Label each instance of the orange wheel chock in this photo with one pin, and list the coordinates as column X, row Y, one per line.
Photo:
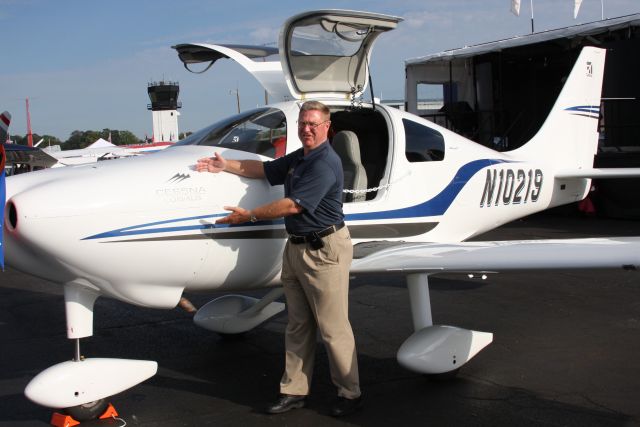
column 62, row 420
column 110, row 412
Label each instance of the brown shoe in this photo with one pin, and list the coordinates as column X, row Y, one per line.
column 186, row 305
column 286, row 402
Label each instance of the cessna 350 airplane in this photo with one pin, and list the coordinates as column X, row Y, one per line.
column 142, row 230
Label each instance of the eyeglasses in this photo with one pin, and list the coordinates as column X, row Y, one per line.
column 311, row 125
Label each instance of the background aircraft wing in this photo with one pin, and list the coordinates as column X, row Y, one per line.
column 493, row 256
column 21, row 154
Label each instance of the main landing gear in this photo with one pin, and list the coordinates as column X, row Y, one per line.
column 436, row 349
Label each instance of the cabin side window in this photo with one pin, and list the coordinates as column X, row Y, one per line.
column 423, row 144
column 261, row 131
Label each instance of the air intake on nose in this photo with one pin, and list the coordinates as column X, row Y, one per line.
column 11, row 216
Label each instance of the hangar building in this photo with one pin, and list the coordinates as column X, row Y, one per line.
column 499, row 93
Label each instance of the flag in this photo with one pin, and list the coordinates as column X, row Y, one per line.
column 576, row 8
column 515, row 7
column 2, row 199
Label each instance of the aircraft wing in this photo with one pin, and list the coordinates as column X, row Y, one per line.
column 598, row 173
column 493, row 256
column 28, row 155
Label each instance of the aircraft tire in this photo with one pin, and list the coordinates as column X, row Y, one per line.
column 232, row 337
column 88, row 411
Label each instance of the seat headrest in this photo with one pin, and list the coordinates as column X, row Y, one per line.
column 346, row 145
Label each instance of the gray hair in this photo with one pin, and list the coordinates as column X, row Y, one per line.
column 316, row 106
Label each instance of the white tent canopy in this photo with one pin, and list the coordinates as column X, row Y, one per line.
column 101, row 143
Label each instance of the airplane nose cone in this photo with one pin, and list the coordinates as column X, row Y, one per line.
column 27, row 237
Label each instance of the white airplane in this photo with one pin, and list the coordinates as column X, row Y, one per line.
column 93, row 154
column 142, row 230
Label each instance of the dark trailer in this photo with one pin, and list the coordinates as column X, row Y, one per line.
column 499, row 94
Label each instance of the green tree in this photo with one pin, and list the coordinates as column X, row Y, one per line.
column 127, row 138
column 82, row 139
column 48, row 140
column 77, row 139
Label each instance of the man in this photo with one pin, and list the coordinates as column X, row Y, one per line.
column 316, row 260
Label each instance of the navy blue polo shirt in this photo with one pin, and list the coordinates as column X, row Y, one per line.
column 315, row 182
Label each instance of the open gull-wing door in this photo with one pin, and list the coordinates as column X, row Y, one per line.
column 325, row 53
column 252, row 58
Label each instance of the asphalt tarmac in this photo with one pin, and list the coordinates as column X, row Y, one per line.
column 566, row 351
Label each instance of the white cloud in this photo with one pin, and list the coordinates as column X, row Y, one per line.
column 263, row 35
column 420, row 19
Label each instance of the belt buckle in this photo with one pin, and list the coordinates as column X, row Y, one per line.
column 297, row 239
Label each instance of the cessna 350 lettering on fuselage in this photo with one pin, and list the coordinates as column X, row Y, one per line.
column 142, row 230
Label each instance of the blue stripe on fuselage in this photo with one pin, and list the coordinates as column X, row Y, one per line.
column 135, row 229
column 439, row 204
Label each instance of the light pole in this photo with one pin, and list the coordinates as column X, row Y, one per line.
column 237, row 92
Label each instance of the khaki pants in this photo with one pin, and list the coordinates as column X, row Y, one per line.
column 316, row 286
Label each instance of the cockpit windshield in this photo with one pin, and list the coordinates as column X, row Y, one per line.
column 261, row 131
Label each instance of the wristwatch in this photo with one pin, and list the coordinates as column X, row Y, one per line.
column 252, row 218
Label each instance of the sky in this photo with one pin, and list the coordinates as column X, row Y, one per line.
column 85, row 65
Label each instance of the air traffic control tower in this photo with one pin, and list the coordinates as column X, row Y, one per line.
column 164, row 106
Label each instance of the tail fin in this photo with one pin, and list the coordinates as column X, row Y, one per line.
column 5, row 120
column 569, row 135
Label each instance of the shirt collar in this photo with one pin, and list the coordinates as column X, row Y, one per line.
column 316, row 151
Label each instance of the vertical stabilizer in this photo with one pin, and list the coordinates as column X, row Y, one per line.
column 569, row 136
column 5, row 120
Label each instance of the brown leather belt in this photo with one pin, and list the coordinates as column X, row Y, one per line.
column 296, row 240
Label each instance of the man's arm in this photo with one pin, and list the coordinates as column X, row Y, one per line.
column 276, row 209
column 217, row 163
